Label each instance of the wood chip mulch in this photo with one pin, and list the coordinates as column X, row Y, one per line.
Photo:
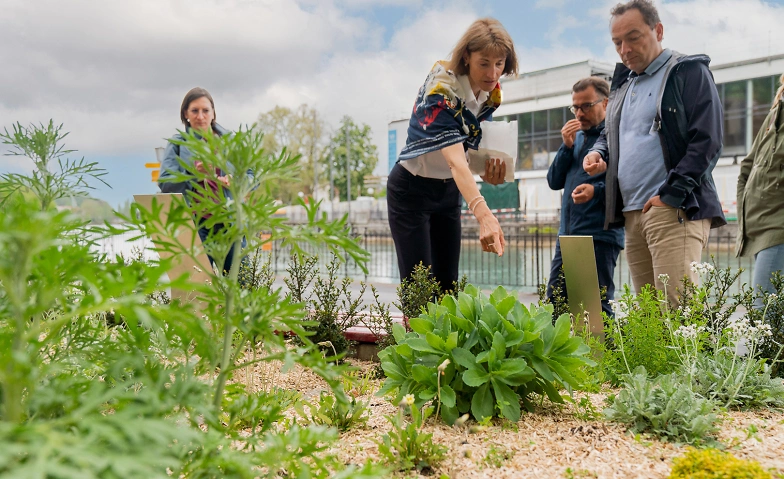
column 556, row 441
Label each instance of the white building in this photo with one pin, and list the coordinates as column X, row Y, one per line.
column 539, row 102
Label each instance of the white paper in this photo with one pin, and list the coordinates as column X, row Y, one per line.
column 499, row 140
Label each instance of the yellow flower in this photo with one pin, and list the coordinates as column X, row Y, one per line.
column 408, row 400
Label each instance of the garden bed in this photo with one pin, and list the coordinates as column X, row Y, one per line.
column 554, row 441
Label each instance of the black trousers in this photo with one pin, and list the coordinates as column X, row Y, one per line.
column 424, row 218
column 606, row 259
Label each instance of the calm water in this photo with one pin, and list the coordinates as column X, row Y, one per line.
column 525, row 264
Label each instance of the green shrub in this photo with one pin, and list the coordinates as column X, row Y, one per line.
column 405, row 446
column 639, row 336
column 715, row 464
column 331, row 306
column 484, row 355
column 342, row 415
column 662, row 406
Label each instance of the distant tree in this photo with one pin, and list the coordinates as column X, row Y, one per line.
column 363, row 156
column 301, row 132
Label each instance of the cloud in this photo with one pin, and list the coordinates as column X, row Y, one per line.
column 727, row 30
column 115, row 72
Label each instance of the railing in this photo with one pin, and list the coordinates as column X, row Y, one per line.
column 524, row 265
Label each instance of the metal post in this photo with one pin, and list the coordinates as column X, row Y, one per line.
column 331, row 185
column 315, row 177
column 348, row 173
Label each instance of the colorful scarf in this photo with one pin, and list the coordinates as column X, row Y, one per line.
column 440, row 117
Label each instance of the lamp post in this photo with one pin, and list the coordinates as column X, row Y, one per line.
column 348, row 174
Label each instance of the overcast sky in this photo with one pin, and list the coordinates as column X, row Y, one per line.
column 114, row 72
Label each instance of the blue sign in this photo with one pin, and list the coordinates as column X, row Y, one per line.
column 392, row 149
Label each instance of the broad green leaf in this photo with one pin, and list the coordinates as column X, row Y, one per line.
column 466, row 306
column 421, row 345
column 498, row 295
column 506, row 305
column 448, row 397
column 471, row 340
column 508, row 401
column 450, row 303
column 542, row 368
column 515, row 370
column 435, row 341
column 392, row 371
column 399, row 332
column 475, row 377
column 451, row 341
column 427, row 394
column 421, row 325
column 423, row 374
column 449, row 414
column 491, row 317
column 462, row 323
column 464, row 358
column 499, row 346
column 482, row 404
column 483, row 357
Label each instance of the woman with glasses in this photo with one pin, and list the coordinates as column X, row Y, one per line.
column 425, row 186
column 761, row 199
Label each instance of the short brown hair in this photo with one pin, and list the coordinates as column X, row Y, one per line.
column 484, row 34
column 646, row 8
column 193, row 95
column 600, row 85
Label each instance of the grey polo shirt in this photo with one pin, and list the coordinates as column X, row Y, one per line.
column 641, row 170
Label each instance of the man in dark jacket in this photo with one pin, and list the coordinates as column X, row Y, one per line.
column 661, row 142
column 582, row 204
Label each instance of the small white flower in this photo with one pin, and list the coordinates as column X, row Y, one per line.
column 772, row 297
column 408, row 400
column 689, row 332
column 701, row 268
column 664, row 278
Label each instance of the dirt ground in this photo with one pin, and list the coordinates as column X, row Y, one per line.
column 557, row 441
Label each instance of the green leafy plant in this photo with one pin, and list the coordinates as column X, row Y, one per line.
column 148, row 395
column 331, row 305
column 484, row 355
column 714, row 464
column 639, row 336
column 497, row 455
column 421, row 288
column 356, row 383
column 256, row 411
column 54, row 176
column 343, row 415
column 663, row 407
column 405, row 446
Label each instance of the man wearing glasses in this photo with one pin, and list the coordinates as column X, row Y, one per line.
column 582, row 204
column 662, row 141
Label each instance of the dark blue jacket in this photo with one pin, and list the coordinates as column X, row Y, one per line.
column 567, row 173
column 690, row 125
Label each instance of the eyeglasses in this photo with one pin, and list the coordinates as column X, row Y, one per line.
column 584, row 107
